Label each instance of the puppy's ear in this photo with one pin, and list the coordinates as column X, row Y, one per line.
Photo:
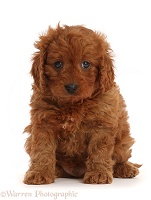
column 106, row 68
column 39, row 58
column 37, row 70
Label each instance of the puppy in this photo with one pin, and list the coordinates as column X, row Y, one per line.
column 79, row 123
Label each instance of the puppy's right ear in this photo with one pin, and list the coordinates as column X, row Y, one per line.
column 39, row 58
column 37, row 70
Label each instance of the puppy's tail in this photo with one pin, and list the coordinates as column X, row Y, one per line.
column 27, row 129
column 137, row 165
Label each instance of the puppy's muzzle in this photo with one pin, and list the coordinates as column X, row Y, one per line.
column 71, row 88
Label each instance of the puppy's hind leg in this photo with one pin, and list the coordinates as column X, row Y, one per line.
column 122, row 152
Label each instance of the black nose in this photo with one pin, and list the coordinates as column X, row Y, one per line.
column 71, row 88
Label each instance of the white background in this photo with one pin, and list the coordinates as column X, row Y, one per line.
column 127, row 24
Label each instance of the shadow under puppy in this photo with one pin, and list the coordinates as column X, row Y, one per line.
column 79, row 123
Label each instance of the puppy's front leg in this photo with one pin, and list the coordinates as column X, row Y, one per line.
column 41, row 147
column 99, row 162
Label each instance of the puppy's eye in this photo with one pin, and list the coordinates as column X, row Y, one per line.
column 58, row 65
column 85, row 64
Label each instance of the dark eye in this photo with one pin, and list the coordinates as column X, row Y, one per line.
column 58, row 65
column 85, row 64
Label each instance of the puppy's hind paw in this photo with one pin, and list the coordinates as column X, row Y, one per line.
column 37, row 178
column 126, row 170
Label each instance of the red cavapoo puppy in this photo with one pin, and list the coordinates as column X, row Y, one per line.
column 79, row 123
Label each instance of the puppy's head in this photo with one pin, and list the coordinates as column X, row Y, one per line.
column 73, row 63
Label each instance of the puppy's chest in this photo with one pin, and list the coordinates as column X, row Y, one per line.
column 76, row 120
column 69, row 123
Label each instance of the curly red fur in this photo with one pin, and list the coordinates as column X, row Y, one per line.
column 80, row 133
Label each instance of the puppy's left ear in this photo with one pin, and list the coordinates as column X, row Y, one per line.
column 106, row 68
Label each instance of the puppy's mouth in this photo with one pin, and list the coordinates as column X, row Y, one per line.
column 70, row 98
column 73, row 97
column 72, row 92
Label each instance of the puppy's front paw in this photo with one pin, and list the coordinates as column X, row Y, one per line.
column 98, row 177
column 37, row 178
